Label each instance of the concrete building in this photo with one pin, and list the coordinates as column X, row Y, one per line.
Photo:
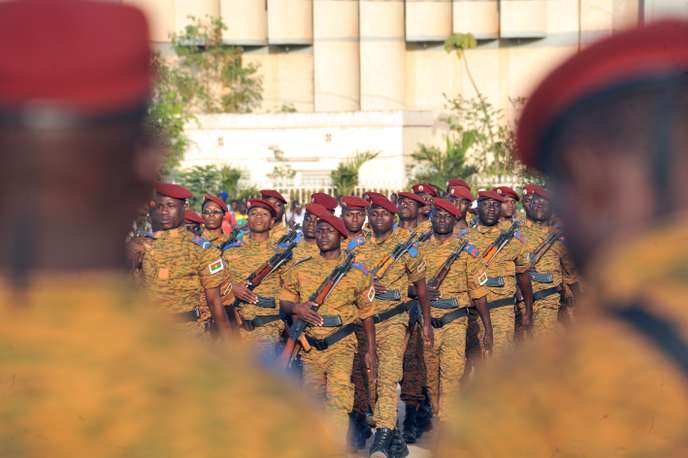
column 373, row 56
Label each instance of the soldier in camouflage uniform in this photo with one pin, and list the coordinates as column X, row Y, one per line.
column 327, row 366
column 193, row 222
column 88, row 367
column 391, row 313
column 510, row 203
column 179, row 266
column 456, row 188
column 262, row 325
column 280, row 229
column 307, row 248
column 213, row 211
column 427, row 192
column 458, row 291
column 506, row 272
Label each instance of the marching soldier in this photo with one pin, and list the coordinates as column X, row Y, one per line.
column 409, row 205
column 327, row 366
column 455, row 185
column 462, row 199
column 193, row 222
column 261, row 324
column 89, row 368
column 608, row 127
column 354, row 216
column 427, row 192
column 307, row 247
column 392, row 275
column 280, row 229
column 507, row 267
column 326, row 200
column 509, row 206
column 455, row 270
column 179, row 266
column 213, row 211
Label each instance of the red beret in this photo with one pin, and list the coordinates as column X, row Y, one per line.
column 174, row 191
column 324, row 214
column 643, row 52
column 444, row 204
column 354, row 202
column 462, row 192
column 534, row 189
column 458, row 182
column 93, row 57
column 191, row 216
column 265, row 193
column 506, row 191
column 325, row 200
column 412, row 196
column 269, row 206
column 482, row 195
column 383, row 202
column 217, row 200
column 426, row 188
column 369, row 194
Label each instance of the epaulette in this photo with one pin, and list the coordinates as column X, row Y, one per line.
column 282, row 246
column 235, row 244
column 472, row 250
column 413, row 251
column 464, row 231
column 201, row 242
column 361, row 267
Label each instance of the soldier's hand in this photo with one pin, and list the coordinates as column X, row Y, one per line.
column 370, row 359
column 244, row 294
column 487, row 342
column 428, row 334
column 306, row 313
column 526, row 320
column 379, row 288
column 433, row 293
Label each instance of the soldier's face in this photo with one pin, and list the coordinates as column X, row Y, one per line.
column 169, row 212
column 259, row 220
column 427, row 208
column 539, row 209
column 408, row 209
column 381, row 220
column 280, row 206
column 508, row 207
column 353, row 219
column 459, row 202
column 489, row 211
column 442, row 221
column 212, row 215
column 327, row 237
column 309, row 223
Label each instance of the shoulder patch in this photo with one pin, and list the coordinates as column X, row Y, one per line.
column 201, row 242
column 413, row 251
column 361, row 267
column 472, row 250
column 216, row 266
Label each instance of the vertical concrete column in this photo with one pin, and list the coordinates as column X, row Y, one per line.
column 246, row 20
column 479, row 17
column 429, row 20
column 160, row 14
column 290, row 22
column 522, row 18
column 197, row 8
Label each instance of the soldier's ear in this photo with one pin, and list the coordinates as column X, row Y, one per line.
column 272, row 223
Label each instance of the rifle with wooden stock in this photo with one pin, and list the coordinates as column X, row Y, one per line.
column 537, row 254
column 437, row 279
column 500, row 242
column 381, row 268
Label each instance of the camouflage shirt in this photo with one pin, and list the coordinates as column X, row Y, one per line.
column 216, row 240
column 351, row 298
column 177, row 268
column 306, row 250
column 555, row 261
column 278, row 231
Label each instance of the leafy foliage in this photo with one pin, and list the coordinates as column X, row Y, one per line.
column 212, row 179
column 436, row 166
column 282, row 174
column 345, row 176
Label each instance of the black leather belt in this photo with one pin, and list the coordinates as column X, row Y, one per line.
column 449, row 317
column 541, row 277
column 501, row 303
column 324, row 344
column 495, row 282
column 192, row 315
column 259, row 321
column 394, row 311
column 389, row 295
column 266, row 302
column 545, row 293
column 331, row 321
column 445, row 304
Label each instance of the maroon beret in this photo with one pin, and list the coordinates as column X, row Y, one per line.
column 534, row 189
column 174, row 191
column 265, row 193
column 324, row 214
column 217, row 200
column 458, row 182
column 93, row 57
column 191, row 216
column 462, row 192
column 426, row 188
column 492, row 194
column 369, row 194
column 354, row 202
column 644, row 52
column 444, row 204
column 412, row 196
column 383, row 202
column 506, row 191
column 269, row 206
column 325, row 200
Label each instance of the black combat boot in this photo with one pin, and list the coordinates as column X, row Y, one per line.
column 360, row 431
column 410, row 429
column 398, row 448
column 381, row 441
column 424, row 416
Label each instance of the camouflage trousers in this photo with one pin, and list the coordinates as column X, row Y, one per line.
column 327, row 374
column 503, row 326
column 390, row 337
column 414, row 377
column 265, row 338
column 445, row 364
column 359, row 375
column 546, row 316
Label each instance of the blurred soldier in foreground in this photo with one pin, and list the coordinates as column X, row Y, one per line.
column 610, row 128
column 88, row 368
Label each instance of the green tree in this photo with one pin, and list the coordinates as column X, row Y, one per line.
column 213, row 77
column 437, row 165
column 212, row 179
column 345, row 176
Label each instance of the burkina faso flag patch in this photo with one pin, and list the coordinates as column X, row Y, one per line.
column 216, row 266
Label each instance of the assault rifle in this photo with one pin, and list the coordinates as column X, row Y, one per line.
column 437, row 279
column 535, row 256
column 381, row 268
column 500, row 242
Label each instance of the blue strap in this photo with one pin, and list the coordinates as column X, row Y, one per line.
column 200, row 241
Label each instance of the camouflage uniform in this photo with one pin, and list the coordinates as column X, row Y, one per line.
column 603, row 388
column 242, row 260
column 177, row 269
column 98, row 373
column 328, row 372
column 510, row 261
column 445, row 362
column 136, row 247
column 305, row 250
column 216, row 240
column 391, row 333
column 278, row 231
